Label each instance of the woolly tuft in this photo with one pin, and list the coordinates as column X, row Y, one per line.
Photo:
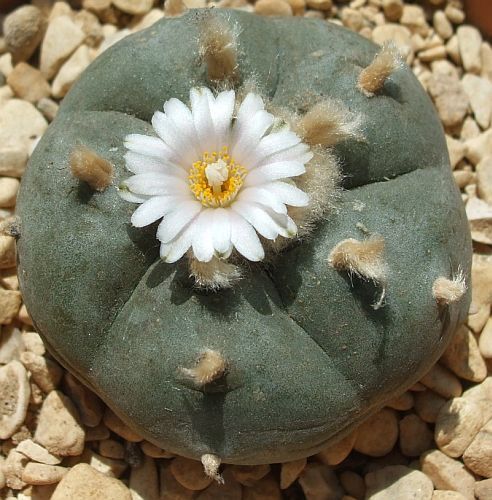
column 211, row 464
column 174, row 8
column 218, row 48
column 210, row 366
column 10, row 227
column 89, row 167
column 387, row 61
column 447, row 291
column 327, row 123
column 214, row 275
column 363, row 259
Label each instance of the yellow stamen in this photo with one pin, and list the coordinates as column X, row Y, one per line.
column 216, row 179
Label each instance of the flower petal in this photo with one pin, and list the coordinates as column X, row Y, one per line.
column 154, row 184
column 257, row 217
column 200, row 106
column 274, row 171
column 131, row 197
column 221, row 231
column 300, row 153
column 175, row 221
column 271, row 144
column 141, row 164
column 245, row 239
column 264, row 197
column 288, row 194
column 148, row 146
column 222, row 115
column 250, row 105
column 202, row 243
column 153, row 209
column 174, row 250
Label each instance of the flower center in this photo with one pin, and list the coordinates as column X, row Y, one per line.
column 216, row 179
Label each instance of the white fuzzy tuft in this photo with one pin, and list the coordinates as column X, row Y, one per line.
column 211, row 464
column 214, row 275
column 387, row 61
column 447, row 291
column 210, row 366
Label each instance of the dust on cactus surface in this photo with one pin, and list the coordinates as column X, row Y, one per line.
column 251, row 246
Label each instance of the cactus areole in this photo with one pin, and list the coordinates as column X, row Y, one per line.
column 232, row 230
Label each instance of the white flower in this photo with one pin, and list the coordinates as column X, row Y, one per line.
column 214, row 179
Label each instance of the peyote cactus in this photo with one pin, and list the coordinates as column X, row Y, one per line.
column 333, row 284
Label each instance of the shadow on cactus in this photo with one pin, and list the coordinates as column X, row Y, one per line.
column 243, row 234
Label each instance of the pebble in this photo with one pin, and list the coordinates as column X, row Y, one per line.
column 454, row 14
column 90, row 25
column 415, row 436
column 479, row 92
column 156, row 15
column 486, row 55
column 447, row 473
column 170, row 488
column 398, row 482
column 108, row 466
column 478, row 455
column 189, row 473
column 111, row 449
column 442, row 25
column 393, row 9
column 10, row 302
column 403, row 402
column 13, row 468
column 247, row 475
column 479, row 147
column 33, row 342
column 115, row 424
column 97, row 433
column 456, row 149
column 290, row 471
column 442, row 381
column 449, row 97
column 470, row 129
column 399, row 34
column 23, row 29
column 70, row 71
column 377, row 435
column 447, row 495
column 153, row 451
column 83, row 482
column 338, row 452
column 14, row 398
column 482, row 395
column 453, row 50
column 89, row 405
column 59, row 430
column 483, row 489
column 319, row 481
column 7, row 252
column 42, row 474
column 46, row 373
column 273, row 8
column 413, row 17
column 433, row 54
column 353, row 484
column 230, row 490
column 28, row 83
column 134, row 7
column 8, row 279
column 144, row 481
column 457, row 424
column 470, row 45
column 479, row 214
column 11, row 344
column 484, row 179
column 462, row 178
column 37, row 453
column 62, row 37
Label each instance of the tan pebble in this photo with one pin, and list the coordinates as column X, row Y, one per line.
column 144, row 481
column 45, row 372
column 97, row 433
column 479, row 147
column 393, row 9
column 396, row 33
column 447, row 495
column 454, row 14
column 485, row 342
column 484, row 179
column 83, row 482
column 433, row 54
column 58, row 9
column 479, row 92
column 403, row 402
column 453, row 50
column 5, row 69
column 442, row 381
column 89, row 405
column 249, row 474
column 486, row 55
column 462, row 178
column 90, row 25
column 447, row 473
column 97, row 6
column 148, row 20
column 111, row 449
column 339, row 451
column 470, row 129
column 189, row 473
column 170, row 488
column 59, row 429
column 70, row 71
column 37, row 453
column 377, row 435
column 442, row 25
column 2, row 479
column 107, row 466
column 398, row 481
column 413, row 17
column 319, row 481
column 470, row 44
column 230, row 490
column 42, row 474
column 153, row 451
column 353, row 484
column 463, row 356
column 48, row 107
column 9, row 279
column 8, row 191
column 28, row 83
column 298, row 6
column 322, row 5
column 457, row 424
column 482, row 395
column 134, row 7
column 428, row 405
column 351, row 18
column 483, row 489
column 33, row 342
column 62, row 37
column 13, row 468
column 14, row 397
column 7, row 253
column 415, row 436
column 23, row 29
column 115, row 424
column 273, row 8
column 290, row 471
column 478, row 455
column 418, row 387
column 10, row 302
